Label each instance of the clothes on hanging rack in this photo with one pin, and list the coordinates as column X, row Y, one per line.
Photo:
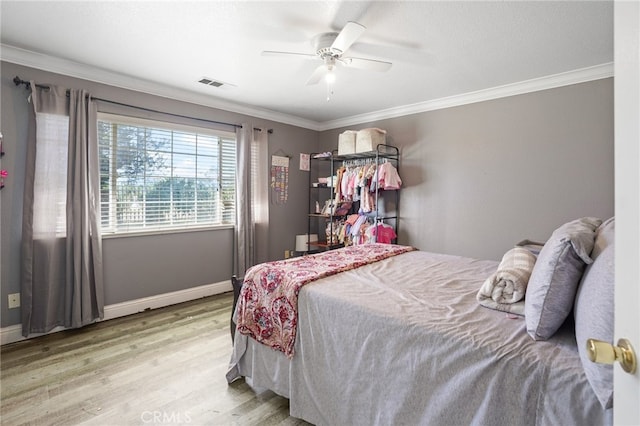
column 382, row 233
column 388, row 177
column 358, row 229
column 358, row 180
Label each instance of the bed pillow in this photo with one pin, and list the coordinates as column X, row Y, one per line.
column 593, row 311
column 552, row 288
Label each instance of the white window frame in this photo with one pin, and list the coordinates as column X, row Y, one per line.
column 223, row 216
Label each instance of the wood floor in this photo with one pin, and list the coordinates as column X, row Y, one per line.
column 165, row 366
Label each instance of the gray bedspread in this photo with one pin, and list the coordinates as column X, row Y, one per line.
column 404, row 341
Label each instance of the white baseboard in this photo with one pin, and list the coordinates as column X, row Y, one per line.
column 13, row 333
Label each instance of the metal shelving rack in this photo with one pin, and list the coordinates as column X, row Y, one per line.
column 330, row 164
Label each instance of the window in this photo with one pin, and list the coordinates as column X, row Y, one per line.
column 161, row 176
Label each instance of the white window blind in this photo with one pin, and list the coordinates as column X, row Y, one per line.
column 162, row 176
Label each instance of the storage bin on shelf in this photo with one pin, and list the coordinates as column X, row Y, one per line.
column 347, row 142
column 369, row 139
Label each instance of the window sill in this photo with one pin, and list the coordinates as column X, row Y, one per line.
column 108, row 236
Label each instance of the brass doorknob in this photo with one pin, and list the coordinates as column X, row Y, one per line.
column 605, row 353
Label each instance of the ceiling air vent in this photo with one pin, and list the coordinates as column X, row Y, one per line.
column 210, row 82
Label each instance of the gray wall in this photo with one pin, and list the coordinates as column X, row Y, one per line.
column 479, row 178
column 143, row 266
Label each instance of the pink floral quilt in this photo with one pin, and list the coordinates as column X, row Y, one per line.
column 268, row 304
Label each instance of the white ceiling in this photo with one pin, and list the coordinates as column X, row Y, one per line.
column 439, row 50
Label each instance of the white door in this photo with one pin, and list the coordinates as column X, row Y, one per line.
column 627, row 205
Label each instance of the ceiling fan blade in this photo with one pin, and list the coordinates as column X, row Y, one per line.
column 317, row 75
column 275, row 53
column 367, row 64
column 349, row 34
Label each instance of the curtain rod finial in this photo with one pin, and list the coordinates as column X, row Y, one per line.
column 18, row 81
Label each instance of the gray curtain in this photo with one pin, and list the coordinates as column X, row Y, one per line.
column 260, row 186
column 252, row 207
column 61, row 281
column 244, row 255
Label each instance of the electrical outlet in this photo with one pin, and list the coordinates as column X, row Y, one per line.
column 286, row 254
column 14, row 300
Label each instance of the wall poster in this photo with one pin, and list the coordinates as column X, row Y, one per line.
column 305, row 162
column 279, row 179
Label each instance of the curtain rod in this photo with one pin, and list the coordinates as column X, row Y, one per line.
column 18, row 81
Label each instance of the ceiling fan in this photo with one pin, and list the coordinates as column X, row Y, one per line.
column 329, row 49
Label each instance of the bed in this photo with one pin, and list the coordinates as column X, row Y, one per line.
column 403, row 340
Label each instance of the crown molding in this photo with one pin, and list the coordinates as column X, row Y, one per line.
column 542, row 83
column 56, row 65
column 73, row 69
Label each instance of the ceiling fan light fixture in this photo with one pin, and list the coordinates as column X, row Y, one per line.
column 329, row 48
column 330, row 76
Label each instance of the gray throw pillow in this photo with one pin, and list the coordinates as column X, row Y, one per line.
column 593, row 311
column 552, row 287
